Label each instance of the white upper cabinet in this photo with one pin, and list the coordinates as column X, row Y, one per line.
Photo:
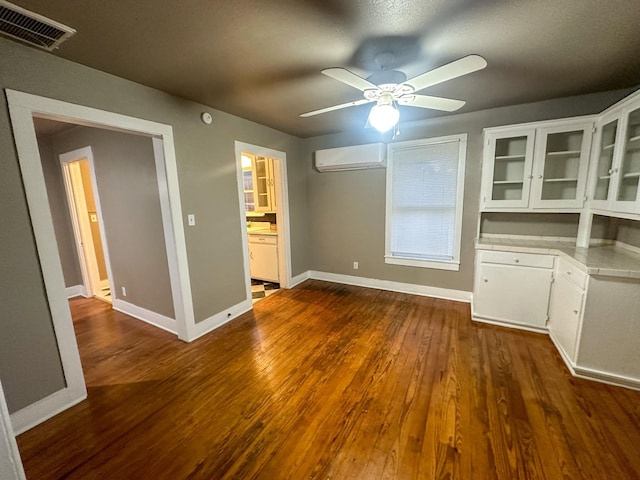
column 561, row 164
column 628, row 173
column 264, row 184
column 508, row 157
column 604, row 161
column 537, row 166
column 615, row 165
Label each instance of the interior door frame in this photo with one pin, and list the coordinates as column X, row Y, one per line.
column 282, row 202
column 22, row 108
column 69, row 162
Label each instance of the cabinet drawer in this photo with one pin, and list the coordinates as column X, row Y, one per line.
column 522, row 259
column 572, row 273
column 263, row 239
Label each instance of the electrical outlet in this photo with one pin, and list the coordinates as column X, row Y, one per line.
column 124, row 291
column 355, row 265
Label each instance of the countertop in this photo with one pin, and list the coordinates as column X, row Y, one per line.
column 605, row 259
column 261, row 231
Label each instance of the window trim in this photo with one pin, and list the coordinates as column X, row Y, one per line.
column 453, row 264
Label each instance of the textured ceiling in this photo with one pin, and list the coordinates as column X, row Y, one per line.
column 261, row 60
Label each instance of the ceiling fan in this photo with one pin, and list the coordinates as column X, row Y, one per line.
column 390, row 88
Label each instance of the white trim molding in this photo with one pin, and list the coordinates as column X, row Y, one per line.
column 22, row 108
column 209, row 324
column 298, row 279
column 76, row 291
column 42, row 410
column 147, row 316
column 608, row 378
column 10, row 462
column 410, row 288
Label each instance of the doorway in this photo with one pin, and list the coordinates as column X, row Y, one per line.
column 264, row 212
column 22, row 109
column 86, row 219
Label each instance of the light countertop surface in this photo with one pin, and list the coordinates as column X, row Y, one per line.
column 261, row 231
column 606, row 259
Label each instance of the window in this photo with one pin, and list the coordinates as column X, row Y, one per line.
column 425, row 186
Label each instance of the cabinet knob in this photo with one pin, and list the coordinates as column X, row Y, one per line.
column 569, row 272
column 610, row 171
column 485, row 280
column 517, row 260
column 575, row 311
column 540, row 176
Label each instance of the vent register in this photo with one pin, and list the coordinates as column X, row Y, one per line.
column 34, row 29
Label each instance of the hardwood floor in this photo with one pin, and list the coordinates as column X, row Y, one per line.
column 329, row 381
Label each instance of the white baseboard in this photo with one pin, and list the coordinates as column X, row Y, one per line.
column 298, row 279
column 517, row 326
column 153, row 318
column 423, row 290
column 219, row 319
column 76, row 291
column 44, row 409
column 608, row 378
column 10, row 462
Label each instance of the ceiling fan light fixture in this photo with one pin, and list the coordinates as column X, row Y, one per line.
column 384, row 116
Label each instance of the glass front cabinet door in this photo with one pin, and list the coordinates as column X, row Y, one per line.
column 627, row 175
column 561, row 165
column 507, row 168
column 264, row 184
column 604, row 162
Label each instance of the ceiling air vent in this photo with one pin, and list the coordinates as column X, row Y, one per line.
column 34, row 29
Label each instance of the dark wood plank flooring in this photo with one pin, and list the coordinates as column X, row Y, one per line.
column 329, row 381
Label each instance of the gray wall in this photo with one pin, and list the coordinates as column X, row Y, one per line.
column 348, row 211
column 128, row 190
column 29, row 364
column 539, row 224
column 628, row 231
column 59, row 207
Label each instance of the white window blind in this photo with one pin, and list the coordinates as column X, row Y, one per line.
column 426, row 201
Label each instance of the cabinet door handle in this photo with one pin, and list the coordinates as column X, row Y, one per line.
column 540, row 176
column 517, row 260
column 251, row 255
column 569, row 272
column 485, row 280
column 575, row 311
column 611, row 171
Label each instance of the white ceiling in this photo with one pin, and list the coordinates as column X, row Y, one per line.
column 261, row 60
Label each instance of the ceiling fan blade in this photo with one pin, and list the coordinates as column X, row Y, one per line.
column 345, row 76
column 336, row 107
column 457, row 68
column 435, row 103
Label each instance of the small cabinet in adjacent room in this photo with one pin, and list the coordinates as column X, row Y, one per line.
column 263, row 257
column 513, row 288
column 258, row 174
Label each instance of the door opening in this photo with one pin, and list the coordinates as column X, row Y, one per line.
column 86, row 219
column 264, row 210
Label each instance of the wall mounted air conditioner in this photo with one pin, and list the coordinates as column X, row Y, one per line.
column 358, row 157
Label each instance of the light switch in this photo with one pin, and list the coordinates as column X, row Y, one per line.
column 191, row 220
column 94, row 217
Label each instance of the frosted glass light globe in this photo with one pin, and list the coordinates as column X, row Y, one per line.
column 383, row 117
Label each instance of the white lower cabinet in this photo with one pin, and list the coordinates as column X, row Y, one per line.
column 513, row 288
column 566, row 308
column 263, row 257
